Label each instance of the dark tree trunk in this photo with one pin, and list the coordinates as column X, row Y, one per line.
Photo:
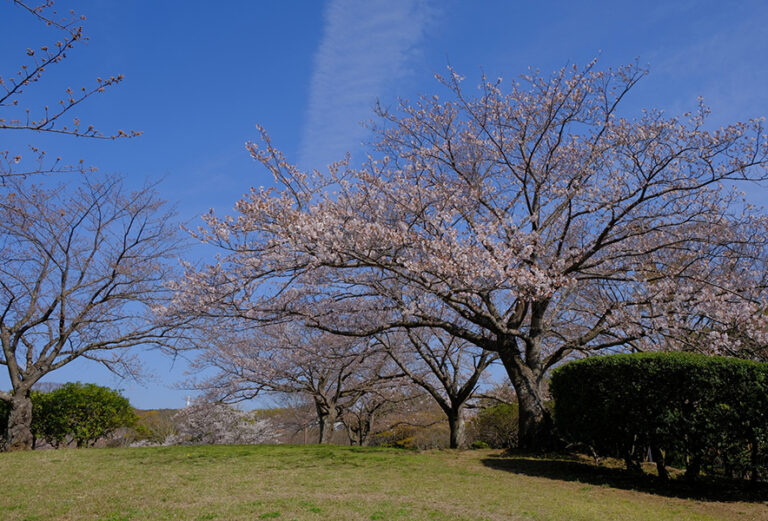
column 326, row 419
column 365, row 430
column 536, row 429
column 693, row 468
column 358, row 433
column 659, row 459
column 456, row 425
column 19, row 434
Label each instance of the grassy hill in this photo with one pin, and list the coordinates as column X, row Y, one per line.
column 333, row 483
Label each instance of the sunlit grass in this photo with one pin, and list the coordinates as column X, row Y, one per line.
column 323, row 483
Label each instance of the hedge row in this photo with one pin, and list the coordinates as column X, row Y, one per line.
column 683, row 409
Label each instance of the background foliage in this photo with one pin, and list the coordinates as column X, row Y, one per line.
column 495, row 426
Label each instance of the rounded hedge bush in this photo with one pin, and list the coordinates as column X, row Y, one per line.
column 81, row 412
column 76, row 412
column 683, row 409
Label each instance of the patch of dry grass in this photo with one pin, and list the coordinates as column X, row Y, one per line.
column 325, row 483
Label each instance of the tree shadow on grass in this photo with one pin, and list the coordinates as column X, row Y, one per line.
column 566, row 468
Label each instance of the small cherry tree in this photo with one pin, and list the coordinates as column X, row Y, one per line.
column 333, row 371
column 219, row 424
column 532, row 220
column 381, row 409
column 446, row 367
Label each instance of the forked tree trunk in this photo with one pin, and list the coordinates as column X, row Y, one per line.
column 358, row 433
column 535, row 425
column 456, row 425
column 19, row 432
column 326, row 419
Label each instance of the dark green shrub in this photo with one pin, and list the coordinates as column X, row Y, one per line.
column 83, row 413
column 496, row 426
column 696, row 411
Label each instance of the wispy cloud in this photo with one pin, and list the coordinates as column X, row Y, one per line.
column 366, row 47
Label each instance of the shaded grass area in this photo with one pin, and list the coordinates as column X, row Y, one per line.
column 328, row 483
column 613, row 474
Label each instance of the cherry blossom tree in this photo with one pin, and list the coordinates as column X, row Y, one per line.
column 82, row 276
column 446, row 367
column 533, row 220
column 56, row 116
column 287, row 358
column 731, row 325
column 219, row 424
column 383, row 408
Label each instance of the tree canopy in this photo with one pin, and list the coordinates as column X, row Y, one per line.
column 533, row 220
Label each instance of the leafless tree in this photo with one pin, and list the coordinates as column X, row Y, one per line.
column 82, row 273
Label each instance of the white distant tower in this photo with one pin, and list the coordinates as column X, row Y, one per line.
column 189, row 401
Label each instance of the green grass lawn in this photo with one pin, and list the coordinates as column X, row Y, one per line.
column 332, row 483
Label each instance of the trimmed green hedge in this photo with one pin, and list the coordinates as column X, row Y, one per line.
column 687, row 410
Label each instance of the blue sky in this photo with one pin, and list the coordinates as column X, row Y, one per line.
column 199, row 76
